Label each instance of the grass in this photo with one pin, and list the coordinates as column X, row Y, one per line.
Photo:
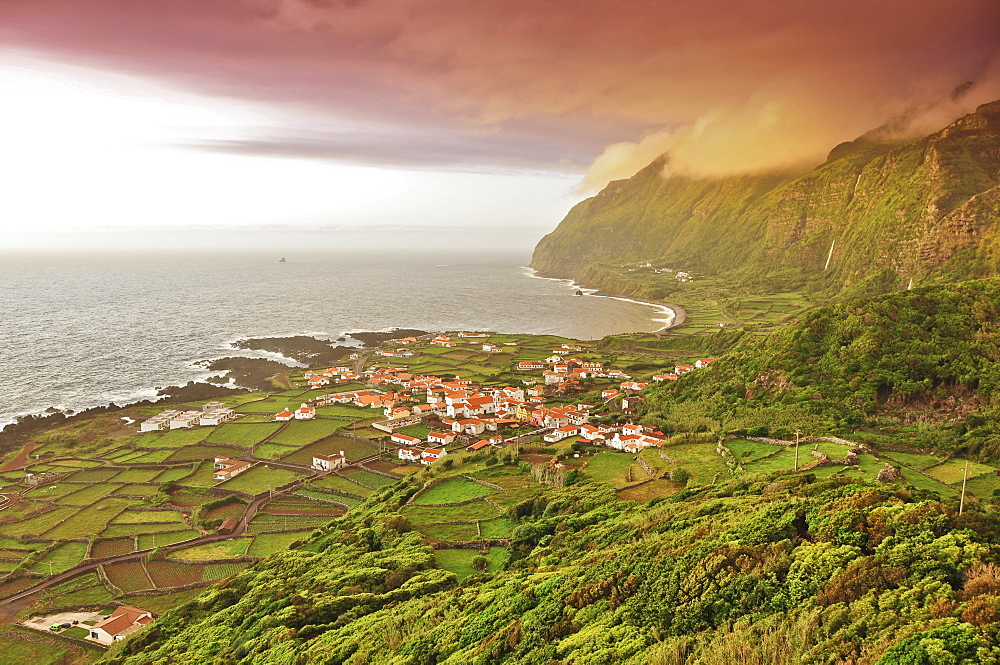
column 148, row 540
column 499, row 527
column 748, row 451
column 353, row 449
column 21, row 646
column 217, row 571
column 418, row 431
column 373, row 480
column 136, row 490
column 260, row 479
column 224, row 549
column 273, row 451
column 384, row 466
column 345, row 412
column 160, row 603
column 202, row 452
column 39, row 524
column 202, row 476
column 119, row 530
column 234, row 510
column 94, row 595
column 452, row 490
column 190, row 497
column 62, row 558
column 469, row 512
column 649, row 491
column 96, row 475
column 75, row 631
column 460, row 561
column 451, row 532
column 268, row 543
column 242, row 434
column 921, row 481
column 174, row 474
column 293, row 505
column 265, row 523
column 336, row 482
column 174, row 574
column 304, row 432
column 148, row 517
column 329, row 498
column 128, row 576
column 88, row 494
column 175, row 438
column 698, row 459
column 982, row 487
column 269, row 406
column 89, row 520
column 106, row 547
column 784, row 460
column 613, row 468
column 915, row 460
column 951, row 472
column 137, row 475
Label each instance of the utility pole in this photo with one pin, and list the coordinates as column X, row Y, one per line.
column 965, row 476
column 797, row 433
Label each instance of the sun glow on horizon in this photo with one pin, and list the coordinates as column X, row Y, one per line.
column 90, row 150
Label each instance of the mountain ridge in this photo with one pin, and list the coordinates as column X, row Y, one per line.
column 924, row 210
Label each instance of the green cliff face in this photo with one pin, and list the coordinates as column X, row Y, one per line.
column 925, row 210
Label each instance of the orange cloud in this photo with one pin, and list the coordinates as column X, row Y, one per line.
column 724, row 84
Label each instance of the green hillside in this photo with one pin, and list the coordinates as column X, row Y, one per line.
column 760, row 570
column 924, row 359
column 924, row 211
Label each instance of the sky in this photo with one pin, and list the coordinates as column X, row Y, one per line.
column 320, row 121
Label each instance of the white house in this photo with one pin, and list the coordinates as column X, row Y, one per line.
column 431, row 455
column 410, row 454
column 561, row 433
column 472, row 426
column 226, row 468
column 404, row 439
column 305, row 412
column 440, row 438
column 284, row 416
column 185, row 419
column 120, row 624
column 329, row 462
column 217, row 415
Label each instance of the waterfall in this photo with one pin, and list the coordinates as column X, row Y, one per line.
column 830, row 255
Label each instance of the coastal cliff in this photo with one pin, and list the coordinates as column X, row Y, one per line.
column 875, row 217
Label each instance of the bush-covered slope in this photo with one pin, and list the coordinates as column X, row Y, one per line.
column 926, row 211
column 929, row 354
column 783, row 571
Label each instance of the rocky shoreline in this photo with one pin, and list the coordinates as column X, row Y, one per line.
column 234, row 375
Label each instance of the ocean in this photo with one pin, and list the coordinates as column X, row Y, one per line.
column 83, row 330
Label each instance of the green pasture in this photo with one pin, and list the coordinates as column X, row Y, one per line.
column 242, row 434
column 450, row 491
column 61, row 558
column 269, row 543
column 259, row 479
column 460, row 561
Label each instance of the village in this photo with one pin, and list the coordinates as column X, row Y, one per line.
column 109, row 534
column 463, row 414
column 460, row 413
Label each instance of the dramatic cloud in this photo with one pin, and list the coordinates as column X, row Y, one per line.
column 726, row 86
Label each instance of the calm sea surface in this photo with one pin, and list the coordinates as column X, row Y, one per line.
column 84, row 330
